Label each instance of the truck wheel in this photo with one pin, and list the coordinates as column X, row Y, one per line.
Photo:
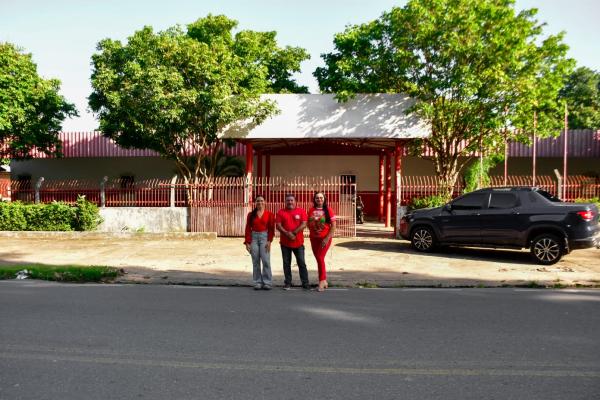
column 546, row 249
column 422, row 239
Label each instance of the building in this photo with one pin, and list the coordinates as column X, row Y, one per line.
column 364, row 139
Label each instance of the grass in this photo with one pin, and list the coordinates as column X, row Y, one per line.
column 366, row 285
column 65, row 273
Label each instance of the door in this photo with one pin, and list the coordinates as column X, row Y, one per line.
column 500, row 219
column 462, row 223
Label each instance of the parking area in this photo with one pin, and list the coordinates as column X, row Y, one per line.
column 351, row 262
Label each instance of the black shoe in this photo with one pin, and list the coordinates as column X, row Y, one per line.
column 287, row 286
column 306, row 286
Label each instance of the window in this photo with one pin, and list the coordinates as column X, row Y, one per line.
column 548, row 196
column 473, row 201
column 504, row 200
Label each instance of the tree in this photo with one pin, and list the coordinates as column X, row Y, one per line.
column 474, row 68
column 175, row 91
column 31, row 108
column 582, row 95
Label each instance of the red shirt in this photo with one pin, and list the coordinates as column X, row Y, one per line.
column 290, row 220
column 317, row 225
column 260, row 224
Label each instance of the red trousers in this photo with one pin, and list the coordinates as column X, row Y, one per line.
column 320, row 253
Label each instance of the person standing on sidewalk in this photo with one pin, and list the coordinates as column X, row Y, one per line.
column 260, row 229
column 321, row 224
column 290, row 222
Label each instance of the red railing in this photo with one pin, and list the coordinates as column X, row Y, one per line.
column 222, row 204
column 581, row 187
column 226, row 191
column 416, row 187
column 117, row 192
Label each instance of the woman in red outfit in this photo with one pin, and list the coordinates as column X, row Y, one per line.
column 260, row 229
column 321, row 224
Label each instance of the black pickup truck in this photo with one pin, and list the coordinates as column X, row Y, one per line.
column 511, row 217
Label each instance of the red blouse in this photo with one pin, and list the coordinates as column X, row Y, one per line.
column 260, row 224
column 317, row 225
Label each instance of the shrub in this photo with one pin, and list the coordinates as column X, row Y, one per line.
column 87, row 215
column 12, row 217
column 56, row 216
column 427, row 202
column 595, row 200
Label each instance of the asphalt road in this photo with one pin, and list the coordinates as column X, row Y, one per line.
column 180, row 342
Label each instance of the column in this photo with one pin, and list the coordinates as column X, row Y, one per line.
column 398, row 185
column 388, row 189
column 381, row 187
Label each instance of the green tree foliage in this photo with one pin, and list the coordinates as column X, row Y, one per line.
column 31, row 109
column 474, row 67
column 175, row 91
column 582, row 94
column 477, row 174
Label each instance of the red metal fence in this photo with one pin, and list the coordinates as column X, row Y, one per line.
column 222, row 205
column 416, row 187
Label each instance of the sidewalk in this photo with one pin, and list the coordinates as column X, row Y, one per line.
column 351, row 262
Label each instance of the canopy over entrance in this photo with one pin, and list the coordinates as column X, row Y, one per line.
column 317, row 124
column 321, row 116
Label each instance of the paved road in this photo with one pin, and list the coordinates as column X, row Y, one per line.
column 161, row 342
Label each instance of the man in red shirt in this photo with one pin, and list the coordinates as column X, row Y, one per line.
column 290, row 222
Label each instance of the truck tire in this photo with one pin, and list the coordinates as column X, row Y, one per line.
column 423, row 239
column 546, row 249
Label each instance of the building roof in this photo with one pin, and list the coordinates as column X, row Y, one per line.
column 321, row 116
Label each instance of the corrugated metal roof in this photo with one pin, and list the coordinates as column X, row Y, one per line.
column 93, row 144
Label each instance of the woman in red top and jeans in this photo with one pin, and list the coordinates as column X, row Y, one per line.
column 260, row 229
column 321, row 224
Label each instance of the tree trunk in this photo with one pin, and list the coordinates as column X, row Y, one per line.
column 447, row 173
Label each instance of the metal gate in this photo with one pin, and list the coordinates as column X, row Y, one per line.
column 222, row 204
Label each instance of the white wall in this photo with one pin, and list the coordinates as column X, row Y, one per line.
column 143, row 219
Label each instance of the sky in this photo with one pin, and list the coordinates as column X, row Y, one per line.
column 62, row 34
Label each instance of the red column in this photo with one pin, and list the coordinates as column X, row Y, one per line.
column 249, row 159
column 388, row 189
column 259, row 164
column 381, row 187
column 398, row 170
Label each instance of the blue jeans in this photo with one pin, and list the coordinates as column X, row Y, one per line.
column 286, row 254
column 259, row 253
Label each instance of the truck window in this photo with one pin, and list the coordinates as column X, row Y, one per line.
column 548, row 196
column 473, row 201
column 503, row 200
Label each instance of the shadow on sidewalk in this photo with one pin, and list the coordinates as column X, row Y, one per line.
column 467, row 253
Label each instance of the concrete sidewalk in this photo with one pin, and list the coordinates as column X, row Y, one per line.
column 351, row 262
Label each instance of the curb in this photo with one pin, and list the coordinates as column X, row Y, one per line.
column 108, row 235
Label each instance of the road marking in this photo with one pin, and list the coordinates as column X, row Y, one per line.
column 305, row 369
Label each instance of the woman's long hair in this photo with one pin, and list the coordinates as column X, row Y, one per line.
column 254, row 212
column 325, row 207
